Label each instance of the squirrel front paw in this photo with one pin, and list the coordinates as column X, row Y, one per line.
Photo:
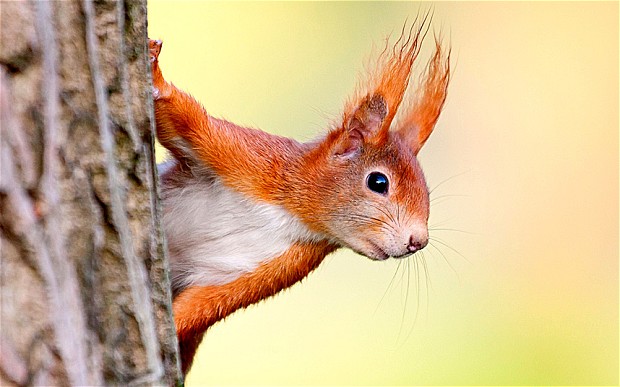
column 154, row 49
column 159, row 84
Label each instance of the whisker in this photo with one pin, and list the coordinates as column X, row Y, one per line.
column 402, row 318
column 450, row 247
column 417, row 285
column 426, row 273
column 420, row 266
column 445, row 221
column 448, row 196
column 370, row 220
column 442, row 200
column 364, row 218
column 445, row 259
column 452, row 229
column 428, row 282
column 447, row 180
column 384, row 212
column 388, row 287
column 409, row 216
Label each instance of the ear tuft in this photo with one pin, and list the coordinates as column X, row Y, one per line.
column 419, row 120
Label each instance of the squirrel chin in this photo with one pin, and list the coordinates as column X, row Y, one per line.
column 372, row 252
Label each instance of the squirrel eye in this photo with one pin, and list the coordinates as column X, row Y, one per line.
column 377, row 182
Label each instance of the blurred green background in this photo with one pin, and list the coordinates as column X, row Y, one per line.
column 521, row 286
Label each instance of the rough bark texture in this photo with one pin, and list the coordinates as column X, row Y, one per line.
column 84, row 289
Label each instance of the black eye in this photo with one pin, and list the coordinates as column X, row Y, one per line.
column 377, row 182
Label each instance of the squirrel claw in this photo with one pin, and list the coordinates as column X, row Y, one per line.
column 160, row 87
column 154, row 49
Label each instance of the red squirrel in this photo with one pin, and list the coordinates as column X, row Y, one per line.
column 247, row 213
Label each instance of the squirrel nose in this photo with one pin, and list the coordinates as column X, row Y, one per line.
column 417, row 243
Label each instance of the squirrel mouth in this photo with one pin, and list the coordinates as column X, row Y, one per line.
column 378, row 253
column 407, row 254
column 372, row 250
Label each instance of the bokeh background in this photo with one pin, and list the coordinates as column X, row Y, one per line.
column 521, row 284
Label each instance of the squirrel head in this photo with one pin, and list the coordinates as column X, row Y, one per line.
column 365, row 186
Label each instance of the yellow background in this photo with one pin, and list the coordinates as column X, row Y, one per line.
column 526, row 148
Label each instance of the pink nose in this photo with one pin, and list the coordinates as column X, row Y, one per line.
column 417, row 243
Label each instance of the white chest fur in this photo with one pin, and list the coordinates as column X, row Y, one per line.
column 215, row 235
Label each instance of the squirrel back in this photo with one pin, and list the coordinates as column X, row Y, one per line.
column 247, row 214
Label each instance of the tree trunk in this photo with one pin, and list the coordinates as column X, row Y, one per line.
column 84, row 289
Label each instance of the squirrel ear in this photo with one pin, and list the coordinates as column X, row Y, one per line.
column 364, row 126
column 418, row 122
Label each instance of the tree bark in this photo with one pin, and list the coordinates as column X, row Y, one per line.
column 84, row 289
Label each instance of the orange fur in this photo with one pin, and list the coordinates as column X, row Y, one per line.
column 197, row 308
column 240, row 159
column 417, row 123
column 296, row 176
column 391, row 73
